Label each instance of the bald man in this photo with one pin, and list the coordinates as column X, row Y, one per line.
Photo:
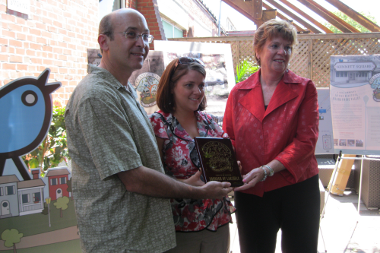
column 119, row 186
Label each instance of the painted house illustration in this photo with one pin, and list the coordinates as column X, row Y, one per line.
column 19, row 198
column 58, row 182
column 8, row 196
column 30, row 194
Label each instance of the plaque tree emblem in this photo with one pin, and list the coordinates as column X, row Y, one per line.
column 218, row 155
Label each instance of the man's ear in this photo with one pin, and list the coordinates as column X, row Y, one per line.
column 103, row 42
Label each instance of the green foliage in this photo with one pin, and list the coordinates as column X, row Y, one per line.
column 244, row 70
column 11, row 237
column 350, row 21
column 53, row 148
column 62, row 203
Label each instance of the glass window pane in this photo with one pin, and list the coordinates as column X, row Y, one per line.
column 36, row 197
column 10, row 190
column 178, row 33
column 25, row 198
column 168, row 29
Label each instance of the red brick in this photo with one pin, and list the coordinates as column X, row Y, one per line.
column 67, row 51
column 4, row 41
column 8, row 17
column 8, row 34
column 32, row 68
column 15, row 43
column 63, row 70
column 21, row 36
column 14, row 27
column 35, row 46
column 36, row 60
column 8, row 66
column 40, row 69
column 15, row 58
column 46, row 34
column 30, row 52
column 47, row 21
column 32, row 38
column 62, row 57
column 35, row 32
column 41, row 40
column 52, row 29
column 22, row 67
column 47, row 48
column 4, row 57
column 20, row 51
column 57, row 24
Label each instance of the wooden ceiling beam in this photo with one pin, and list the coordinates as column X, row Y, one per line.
column 252, row 8
column 355, row 15
column 310, row 19
column 293, row 16
column 299, row 29
column 239, row 6
column 330, row 17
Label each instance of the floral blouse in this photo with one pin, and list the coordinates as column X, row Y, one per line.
column 181, row 161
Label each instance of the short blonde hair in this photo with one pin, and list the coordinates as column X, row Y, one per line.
column 271, row 29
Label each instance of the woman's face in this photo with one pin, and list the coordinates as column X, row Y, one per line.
column 274, row 55
column 189, row 91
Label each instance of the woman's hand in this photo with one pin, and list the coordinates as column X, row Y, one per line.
column 251, row 179
column 194, row 180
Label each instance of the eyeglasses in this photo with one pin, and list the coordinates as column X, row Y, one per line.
column 148, row 38
column 188, row 60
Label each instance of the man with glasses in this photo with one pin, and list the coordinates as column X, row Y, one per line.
column 120, row 190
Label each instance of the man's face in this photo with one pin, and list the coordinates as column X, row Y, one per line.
column 128, row 54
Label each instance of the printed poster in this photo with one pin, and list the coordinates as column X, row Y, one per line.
column 325, row 143
column 355, row 103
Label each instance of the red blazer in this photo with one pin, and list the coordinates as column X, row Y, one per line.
column 286, row 131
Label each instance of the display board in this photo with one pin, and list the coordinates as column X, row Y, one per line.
column 325, row 143
column 355, row 104
column 217, row 58
column 36, row 211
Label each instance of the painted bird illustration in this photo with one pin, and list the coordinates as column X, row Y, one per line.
column 25, row 116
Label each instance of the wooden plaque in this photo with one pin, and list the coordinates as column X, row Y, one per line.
column 218, row 160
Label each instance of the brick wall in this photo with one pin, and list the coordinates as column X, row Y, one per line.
column 150, row 11
column 55, row 35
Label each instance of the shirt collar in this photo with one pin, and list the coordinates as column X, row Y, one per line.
column 105, row 74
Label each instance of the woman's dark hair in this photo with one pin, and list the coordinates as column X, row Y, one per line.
column 172, row 73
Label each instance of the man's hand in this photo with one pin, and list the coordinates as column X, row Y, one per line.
column 194, row 180
column 216, row 190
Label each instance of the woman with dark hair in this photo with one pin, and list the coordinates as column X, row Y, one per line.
column 272, row 119
column 202, row 225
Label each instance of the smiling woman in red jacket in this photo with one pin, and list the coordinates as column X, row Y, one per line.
column 272, row 120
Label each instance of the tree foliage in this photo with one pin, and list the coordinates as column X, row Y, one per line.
column 244, row 70
column 62, row 204
column 53, row 148
column 11, row 237
column 350, row 21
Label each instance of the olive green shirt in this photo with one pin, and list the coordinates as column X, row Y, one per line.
column 109, row 132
